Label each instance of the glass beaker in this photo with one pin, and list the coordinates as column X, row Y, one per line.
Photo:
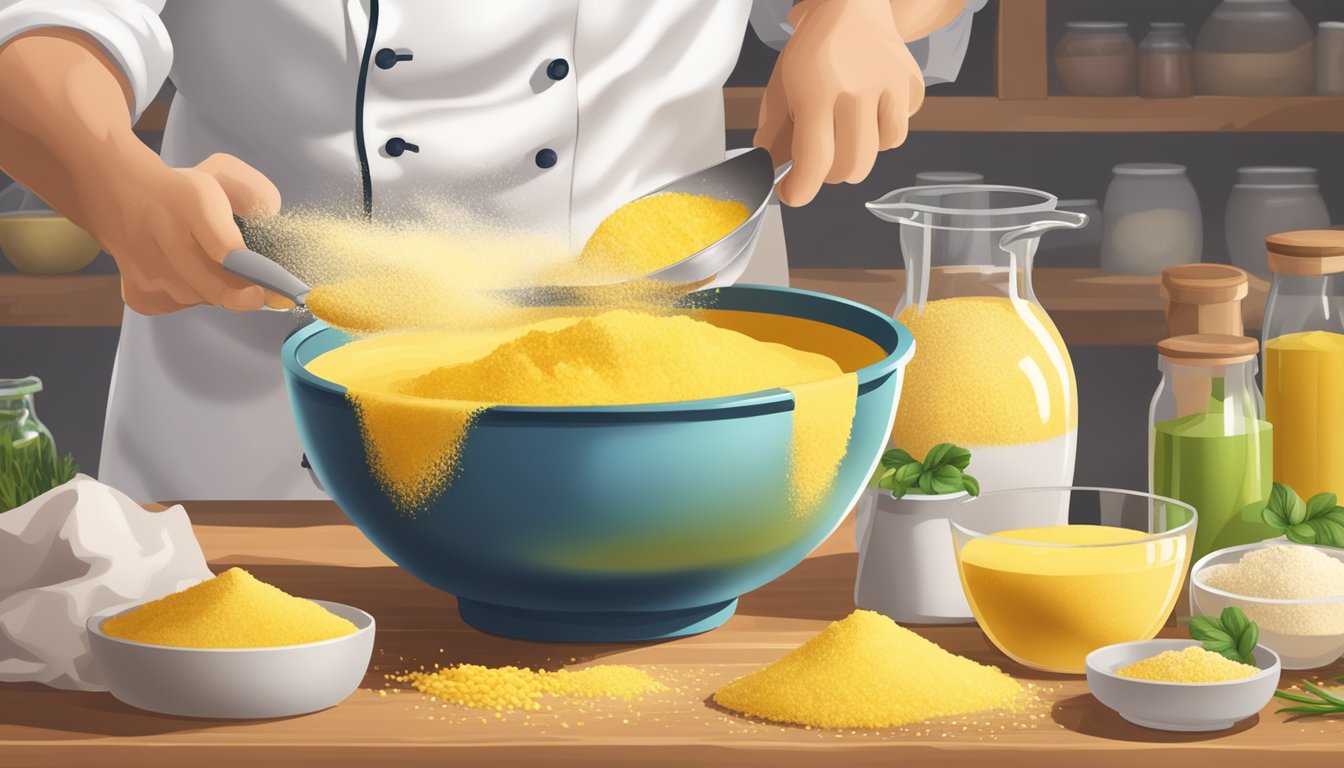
column 1209, row 444
column 1303, row 346
column 991, row 372
column 18, row 417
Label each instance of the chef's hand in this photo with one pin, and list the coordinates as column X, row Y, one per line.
column 170, row 235
column 66, row 134
column 844, row 88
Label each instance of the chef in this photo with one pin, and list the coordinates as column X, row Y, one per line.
column 546, row 115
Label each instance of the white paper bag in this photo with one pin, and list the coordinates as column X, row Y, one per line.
column 74, row 551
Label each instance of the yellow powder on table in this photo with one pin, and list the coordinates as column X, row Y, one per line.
column 865, row 671
column 509, row 688
column 232, row 610
column 650, row 233
column 956, row 388
column 1188, row 665
column 415, row 426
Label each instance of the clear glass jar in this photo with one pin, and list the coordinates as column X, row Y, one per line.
column 1208, row 441
column 1303, row 340
column 1097, row 58
column 18, row 414
column 991, row 373
column 1255, row 48
column 1266, row 200
column 1153, row 220
column 1166, row 62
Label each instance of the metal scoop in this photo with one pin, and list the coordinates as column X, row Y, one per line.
column 748, row 178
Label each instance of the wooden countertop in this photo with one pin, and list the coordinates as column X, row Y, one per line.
column 1089, row 306
column 309, row 549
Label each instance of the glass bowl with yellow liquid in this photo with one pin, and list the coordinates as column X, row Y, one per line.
column 1053, row 574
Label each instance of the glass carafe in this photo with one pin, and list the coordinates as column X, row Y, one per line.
column 1208, row 442
column 1304, row 359
column 991, row 372
column 18, row 417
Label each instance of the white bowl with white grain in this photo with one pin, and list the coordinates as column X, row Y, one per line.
column 1306, row 633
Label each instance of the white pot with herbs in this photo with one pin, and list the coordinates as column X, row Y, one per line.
column 907, row 560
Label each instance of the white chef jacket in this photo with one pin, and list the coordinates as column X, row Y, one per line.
column 314, row 96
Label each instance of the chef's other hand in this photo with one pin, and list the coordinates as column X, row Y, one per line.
column 66, row 135
column 170, row 236
column 843, row 89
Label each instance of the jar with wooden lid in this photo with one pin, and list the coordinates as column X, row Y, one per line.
column 1204, row 298
column 1304, row 359
column 1209, row 443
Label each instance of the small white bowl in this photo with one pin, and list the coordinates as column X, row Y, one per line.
column 235, row 683
column 1277, row 618
column 1178, row 706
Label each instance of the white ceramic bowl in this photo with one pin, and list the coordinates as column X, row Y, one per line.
column 1282, row 622
column 1178, row 706
column 238, row 683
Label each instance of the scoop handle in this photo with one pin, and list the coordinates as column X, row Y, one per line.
column 252, row 266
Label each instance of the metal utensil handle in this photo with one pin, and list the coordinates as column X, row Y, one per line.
column 252, row 266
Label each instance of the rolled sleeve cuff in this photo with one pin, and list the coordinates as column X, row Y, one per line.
column 129, row 31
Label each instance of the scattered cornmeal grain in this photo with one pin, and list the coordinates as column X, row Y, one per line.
column 999, row 334
column 509, row 688
column 865, row 671
column 415, row 424
column 1285, row 572
column 1188, row 665
column 650, row 233
column 232, row 610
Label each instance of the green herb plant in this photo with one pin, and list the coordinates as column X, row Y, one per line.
column 30, row 470
column 1319, row 520
column 1323, row 703
column 1230, row 635
column 943, row 470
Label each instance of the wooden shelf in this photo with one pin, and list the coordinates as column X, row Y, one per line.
column 1073, row 114
column 60, row 301
column 1089, row 307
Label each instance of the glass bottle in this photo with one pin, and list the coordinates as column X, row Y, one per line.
column 1209, row 444
column 991, row 372
column 1204, row 298
column 1166, row 62
column 1255, row 48
column 18, row 415
column 1304, row 359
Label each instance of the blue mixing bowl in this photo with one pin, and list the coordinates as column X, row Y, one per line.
column 613, row 523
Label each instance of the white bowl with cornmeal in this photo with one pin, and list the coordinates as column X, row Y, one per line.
column 1306, row 633
column 1184, row 707
column 235, row 683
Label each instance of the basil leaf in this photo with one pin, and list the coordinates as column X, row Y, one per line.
column 908, row 474
column 1297, row 511
column 896, row 458
column 958, row 457
column 1246, row 643
column 1234, row 621
column 937, row 455
column 1320, row 504
column 899, row 490
column 1328, row 532
column 1336, row 515
column 1274, row 518
column 947, row 479
column 1209, row 630
column 970, row 484
column 926, row 483
column 1302, row 534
